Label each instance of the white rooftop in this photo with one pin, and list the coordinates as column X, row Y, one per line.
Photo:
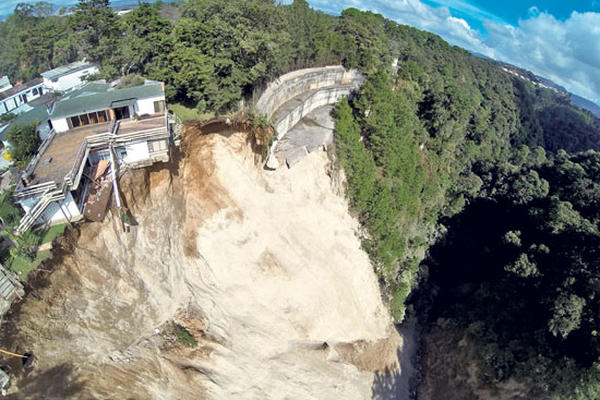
column 4, row 83
column 66, row 69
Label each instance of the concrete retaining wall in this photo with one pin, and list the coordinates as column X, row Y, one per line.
column 297, row 82
column 292, row 96
column 313, row 100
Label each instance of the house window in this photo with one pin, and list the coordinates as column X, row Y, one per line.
column 73, row 122
column 96, row 156
column 159, row 106
column 122, row 113
column 157, row 145
column 102, row 116
column 121, row 153
column 35, row 91
column 40, row 91
column 87, row 119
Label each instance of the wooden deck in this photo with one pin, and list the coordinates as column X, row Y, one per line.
column 98, row 199
column 58, row 158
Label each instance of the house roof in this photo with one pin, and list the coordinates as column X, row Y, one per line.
column 67, row 69
column 5, row 83
column 39, row 113
column 98, row 97
column 20, row 88
column 90, row 88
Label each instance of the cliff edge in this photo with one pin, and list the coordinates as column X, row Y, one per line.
column 234, row 282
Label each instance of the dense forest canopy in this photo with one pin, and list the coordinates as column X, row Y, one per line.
column 440, row 148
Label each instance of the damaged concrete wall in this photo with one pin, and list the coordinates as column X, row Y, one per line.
column 292, row 96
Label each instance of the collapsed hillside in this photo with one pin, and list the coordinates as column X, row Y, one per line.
column 263, row 269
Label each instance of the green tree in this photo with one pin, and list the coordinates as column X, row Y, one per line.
column 24, row 142
column 146, row 35
column 566, row 315
column 96, row 23
column 523, row 266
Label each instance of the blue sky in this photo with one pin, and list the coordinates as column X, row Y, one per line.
column 475, row 12
column 559, row 40
column 556, row 39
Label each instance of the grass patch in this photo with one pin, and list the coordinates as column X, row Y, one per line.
column 188, row 114
column 184, row 336
column 22, row 266
column 53, row 232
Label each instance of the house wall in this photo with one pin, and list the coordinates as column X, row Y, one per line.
column 9, row 104
column 60, row 125
column 69, row 81
column 4, row 141
column 28, row 203
column 44, row 130
column 137, row 152
column 146, row 106
column 53, row 214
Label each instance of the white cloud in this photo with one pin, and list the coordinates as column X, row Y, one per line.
column 567, row 52
column 533, row 11
column 438, row 20
column 469, row 9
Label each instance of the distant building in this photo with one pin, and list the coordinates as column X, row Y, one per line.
column 4, row 84
column 16, row 96
column 95, row 131
column 69, row 76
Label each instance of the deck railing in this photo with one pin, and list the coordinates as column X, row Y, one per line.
column 50, row 190
column 38, row 209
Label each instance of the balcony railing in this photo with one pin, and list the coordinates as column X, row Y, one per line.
column 50, row 191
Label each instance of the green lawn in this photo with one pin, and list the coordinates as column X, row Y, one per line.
column 188, row 114
column 22, row 266
column 52, row 232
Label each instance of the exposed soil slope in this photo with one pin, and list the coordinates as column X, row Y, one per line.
column 263, row 268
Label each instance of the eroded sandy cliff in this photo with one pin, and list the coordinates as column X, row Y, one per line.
column 262, row 267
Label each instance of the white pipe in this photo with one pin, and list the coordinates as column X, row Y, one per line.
column 114, row 176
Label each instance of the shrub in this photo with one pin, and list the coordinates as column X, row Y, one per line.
column 24, row 140
column 184, row 337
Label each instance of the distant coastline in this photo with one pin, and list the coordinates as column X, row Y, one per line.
column 116, row 4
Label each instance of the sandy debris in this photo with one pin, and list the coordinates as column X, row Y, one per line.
column 263, row 267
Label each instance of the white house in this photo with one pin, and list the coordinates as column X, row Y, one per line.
column 96, row 131
column 69, row 76
column 16, row 96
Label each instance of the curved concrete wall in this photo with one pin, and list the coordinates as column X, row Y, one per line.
column 292, row 96
column 292, row 84
column 313, row 100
